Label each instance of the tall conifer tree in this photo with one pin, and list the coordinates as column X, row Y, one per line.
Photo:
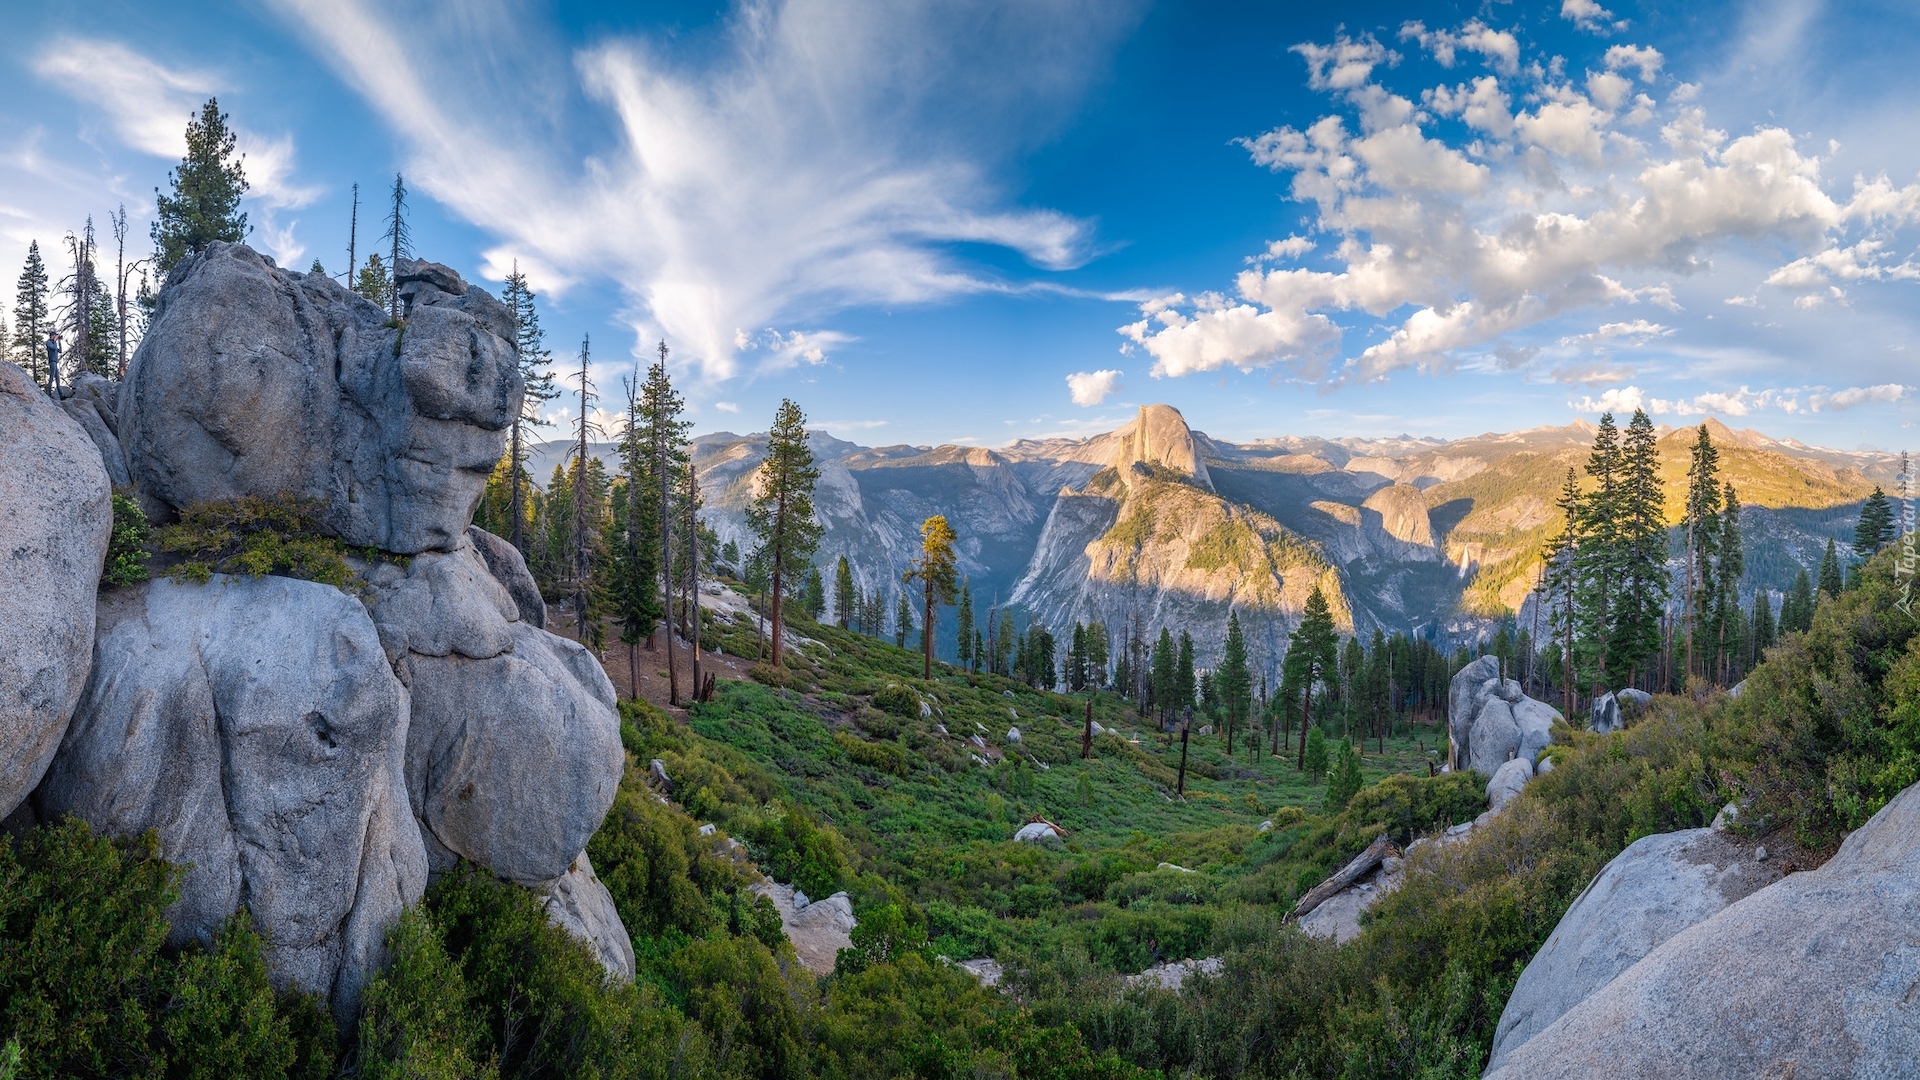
column 1313, row 650
column 1598, row 559
column 782, row 513
column 32, row 317
column 935, row 571
column 1876, row 529
column 1234, row 683
column 531, row 357
column 400, row 237
column 204, row 205
column 1830, row 580
column 1641, row 577
column 1702, row 527
column 663, row 437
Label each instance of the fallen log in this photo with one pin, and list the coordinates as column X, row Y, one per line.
column 1360, row 867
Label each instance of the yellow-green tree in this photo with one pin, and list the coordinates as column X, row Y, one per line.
column 935, row 571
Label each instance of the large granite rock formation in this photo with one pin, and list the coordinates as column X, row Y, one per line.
column 1492, row 721
column 256, row 726
column 306, row 755
column 1611, row 710
column 1396, row 523
column 1814, row 975
column 1656, row 888
column 55, row 518
column 514, row 751
column 253, row 380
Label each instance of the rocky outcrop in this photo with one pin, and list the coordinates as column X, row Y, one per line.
column 580, row 904
column 1492, row 723
column 93, row 403
column 509, row 568
column 1159, row 436
column 1507, row 781
column 1395, row 522
column 1659, row 886
column 1610, row 711
column 256, row 726
column 1813, row 975
column 513, row 754
column 55, row 519
column 818, row 930
column 253, row 380
column 1490, row 719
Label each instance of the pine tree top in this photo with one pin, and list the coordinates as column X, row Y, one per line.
column 204, row 205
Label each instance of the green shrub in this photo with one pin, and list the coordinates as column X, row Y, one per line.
column 876, row 756
column 415, row 1017
column 1343, row 777
column 86, row 989
column 253, row 535
column 898, row 700
column 127, row 546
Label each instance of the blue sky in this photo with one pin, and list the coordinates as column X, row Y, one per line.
column 966, row 222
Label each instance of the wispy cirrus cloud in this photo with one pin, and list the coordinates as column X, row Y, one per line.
column 147, row 105
column 823, row 155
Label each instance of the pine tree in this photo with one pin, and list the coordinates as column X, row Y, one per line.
column 782, row 513
column 531, row 357
column 635, row 571
column 1098, row 650
column 1234, row 685
column 1598, row 559
column 1830, row 582
column 1701, row 523
column 1164, row 682
column 1560, row 581
column 1796, row 611
column 1876, row 528
column 374, row 283
column 846, row 598
column 1186, row 686
column 401, row 237
column 1077, row 659
column 963, row 636
column 1316, row 755
column 935, row 571
column 902, row 619
column 583, row 537
column 1313, row 649
column 207, row 186
column 32, row 318
column 1641, row 568
column 814, row 596
column 1763, row 633
column 1002, row 645
column 1343, row 779
column 662, row 438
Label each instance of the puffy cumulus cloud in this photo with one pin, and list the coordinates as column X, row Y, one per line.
column 1499, row 47
column 1435, row 241
column 1744, row 401
column 818, row 155
column 1090, row 388
column 1588, row 15
column 1642, row 58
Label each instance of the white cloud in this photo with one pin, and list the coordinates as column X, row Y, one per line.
column 792, row 348
column 727, row 406
column 148, row 106
column 1743, row 401
column 1587, row 15
column 1090, row 388
column 1884, row 393
column 1637, row 332
column 1643, row 58
column 1499, row 47
column 1542, row 214
column 815, row 160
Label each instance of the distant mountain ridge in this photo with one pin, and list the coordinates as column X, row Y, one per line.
column 1157, row 522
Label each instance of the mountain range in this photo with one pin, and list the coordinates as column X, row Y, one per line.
column 1162, row 525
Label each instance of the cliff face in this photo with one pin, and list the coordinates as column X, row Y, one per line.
column 1146, row 541
column 1416, row 534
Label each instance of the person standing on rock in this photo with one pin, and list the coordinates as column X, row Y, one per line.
column 53, row 363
